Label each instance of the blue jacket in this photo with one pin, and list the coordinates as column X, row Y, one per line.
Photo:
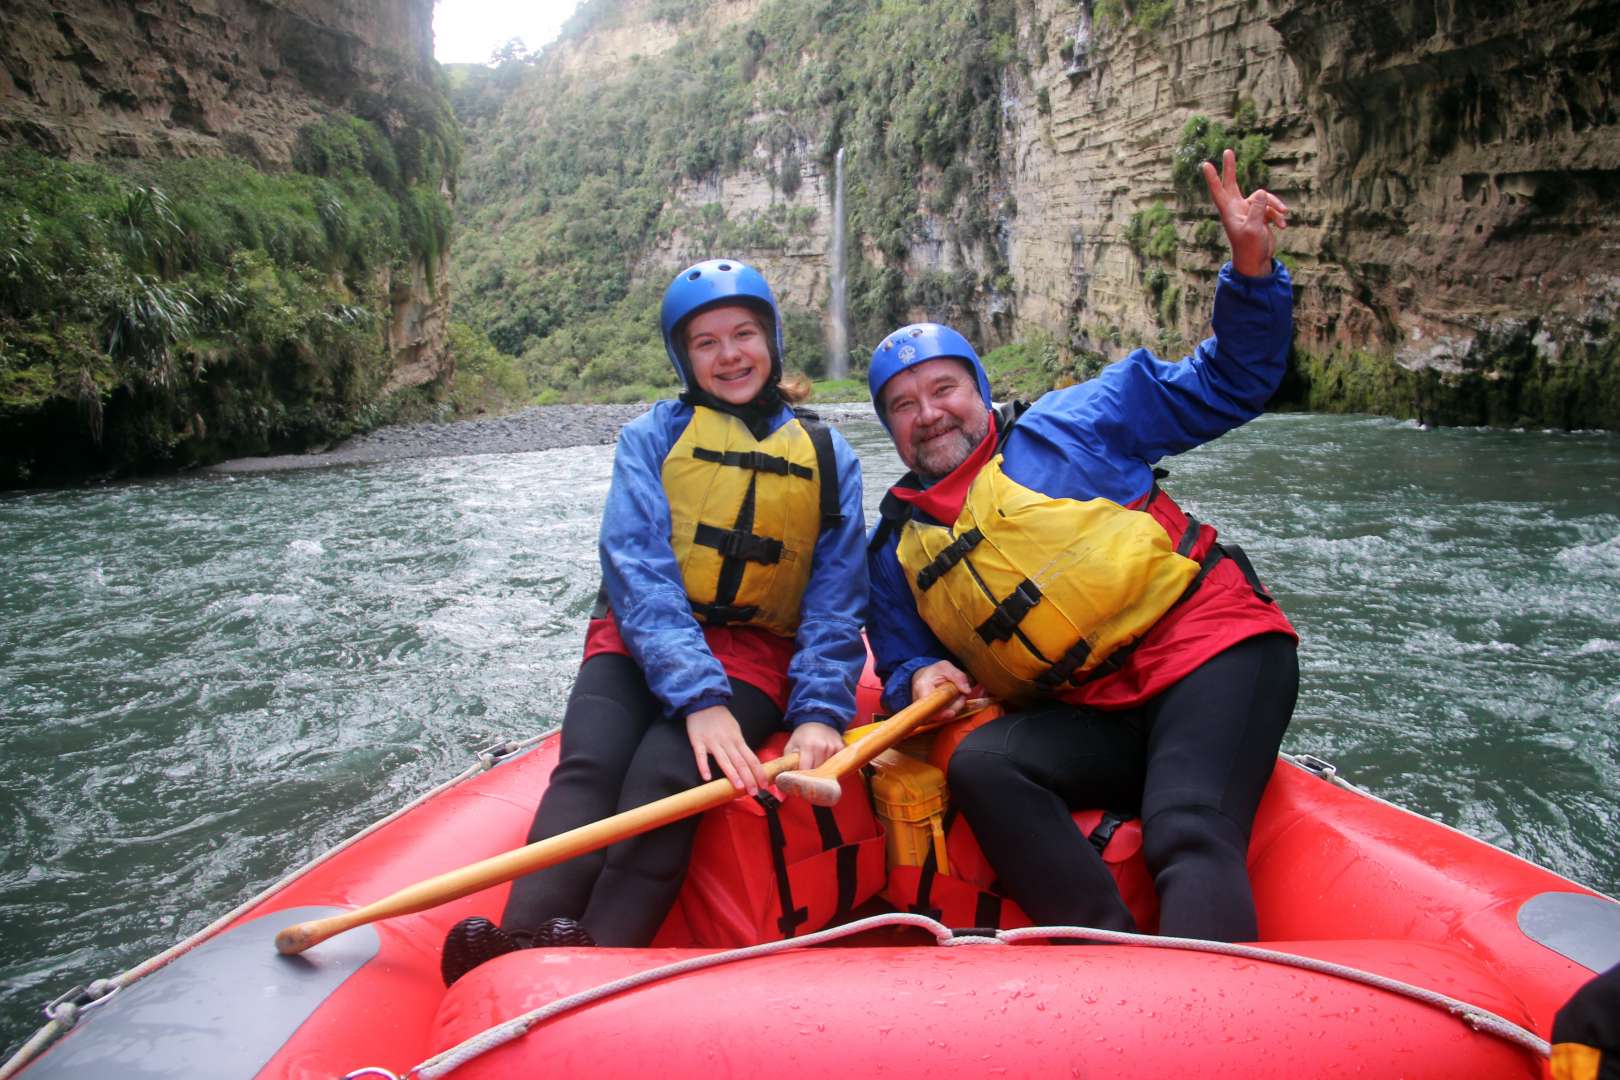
column 1101, row 438
column 655, row 618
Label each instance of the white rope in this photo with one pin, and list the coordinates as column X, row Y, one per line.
column 50, row 1032
column 1477, row 1018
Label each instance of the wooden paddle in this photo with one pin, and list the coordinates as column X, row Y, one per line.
column 820, row 786
column 599, row 834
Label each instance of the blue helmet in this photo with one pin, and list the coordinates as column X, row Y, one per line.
column 911, row 345
column 710, row 284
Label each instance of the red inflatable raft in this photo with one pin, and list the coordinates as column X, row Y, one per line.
column 1394, row 946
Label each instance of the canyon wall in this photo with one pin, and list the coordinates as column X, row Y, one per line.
column 105, row 80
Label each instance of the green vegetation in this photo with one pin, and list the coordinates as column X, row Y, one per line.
column 561, row 211
column 1203, row 139
column 1146, row 15
column 171, row 312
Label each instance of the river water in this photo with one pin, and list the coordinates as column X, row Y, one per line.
column 205, row 681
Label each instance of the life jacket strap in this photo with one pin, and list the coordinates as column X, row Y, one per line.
column 954, row 553
column 1003, row 622
column 724, row 614
column 1067, row 664
column 740, row 544
column 757, row 460
column 827, row 464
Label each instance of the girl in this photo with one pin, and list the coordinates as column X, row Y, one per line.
column 733, row 594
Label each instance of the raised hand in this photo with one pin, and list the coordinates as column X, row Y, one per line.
column 1248, row 220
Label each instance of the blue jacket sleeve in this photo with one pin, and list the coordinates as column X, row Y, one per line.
column 829, row 656
column 642, row 578
column 901, row 642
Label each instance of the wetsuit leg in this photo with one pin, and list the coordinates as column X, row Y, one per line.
column 609, row 711
column 643, row 875
column 1212, row 743
column 1016, row 780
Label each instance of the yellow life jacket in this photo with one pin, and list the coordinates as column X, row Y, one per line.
column 1032, row 593
column 745, row 514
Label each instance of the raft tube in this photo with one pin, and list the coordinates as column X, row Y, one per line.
column 1339, row 876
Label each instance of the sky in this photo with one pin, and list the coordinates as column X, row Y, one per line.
column 468, row 31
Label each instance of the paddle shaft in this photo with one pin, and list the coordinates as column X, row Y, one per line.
column 509, row 865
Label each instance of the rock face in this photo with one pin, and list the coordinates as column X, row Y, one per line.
column 98, row 79
column 1452, row 169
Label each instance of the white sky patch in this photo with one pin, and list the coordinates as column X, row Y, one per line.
column 468, row 31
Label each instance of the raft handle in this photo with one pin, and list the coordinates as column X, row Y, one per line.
column 495, row 753
column 1311, row 763
column 67, row 1007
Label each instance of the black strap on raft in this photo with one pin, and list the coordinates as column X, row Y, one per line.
column 832, row 839
column 792, row 918
column 986, row 907
column 1104, row 832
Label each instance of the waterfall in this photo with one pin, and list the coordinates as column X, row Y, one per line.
column 838, row 328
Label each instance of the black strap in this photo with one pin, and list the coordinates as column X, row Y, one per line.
column 1189, row 537
column 1237, row 555
column 928, row 871
column 720, row 610
column 826, row 464
column 1067, row 664
column 756, row 460
column 893, row 512
column 1104, row 832
column 725, row 614
column 954, row 553
column 792, row 918
column 1009, row 612
column 987, row 912
column 832, row 839
column 737, row 544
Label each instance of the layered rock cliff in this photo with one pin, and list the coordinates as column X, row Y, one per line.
column 1451, row 169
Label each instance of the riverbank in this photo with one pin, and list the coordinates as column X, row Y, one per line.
column 539, row 427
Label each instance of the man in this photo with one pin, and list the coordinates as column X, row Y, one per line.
column 1141, row 663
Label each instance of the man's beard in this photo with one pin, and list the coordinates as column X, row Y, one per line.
column 938, row 458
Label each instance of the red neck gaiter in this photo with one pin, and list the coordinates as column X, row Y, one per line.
column 943, row 500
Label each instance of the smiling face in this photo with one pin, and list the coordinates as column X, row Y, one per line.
column 730, row 353
column 935, row 415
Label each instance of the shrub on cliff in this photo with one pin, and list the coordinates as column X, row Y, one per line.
column 177, row 311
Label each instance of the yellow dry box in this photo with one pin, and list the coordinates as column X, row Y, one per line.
column 909, row 797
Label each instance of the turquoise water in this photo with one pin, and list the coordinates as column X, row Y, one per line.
column 205, row 681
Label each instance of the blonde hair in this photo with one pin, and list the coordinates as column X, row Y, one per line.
column 795, row 387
